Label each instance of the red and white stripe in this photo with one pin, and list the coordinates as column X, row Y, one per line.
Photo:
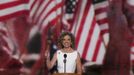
column 43, row 12
column 13, row 8
column 6, row 41
column 87, row 32
column 101, row 15
column 68, row 19
column 102, row 19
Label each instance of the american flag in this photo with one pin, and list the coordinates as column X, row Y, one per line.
column 69, row 12
column 100, row 7
column 7, row 48
column 87, row 32
column 44, row 12
column 13, row 8
column 6, row 45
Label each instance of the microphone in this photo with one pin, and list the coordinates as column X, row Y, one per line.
column 65, row 56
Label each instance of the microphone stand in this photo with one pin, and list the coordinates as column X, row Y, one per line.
column 65, row 65
column 65, row 56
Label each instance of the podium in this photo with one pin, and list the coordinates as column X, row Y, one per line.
column 66, row 74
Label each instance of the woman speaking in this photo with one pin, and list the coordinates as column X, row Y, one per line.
column 68, row 59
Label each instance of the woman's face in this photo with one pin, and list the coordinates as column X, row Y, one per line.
column 66, row 41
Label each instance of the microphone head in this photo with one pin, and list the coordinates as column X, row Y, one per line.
column 65, row 55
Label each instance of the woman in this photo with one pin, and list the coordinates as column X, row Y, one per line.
column 73, row 62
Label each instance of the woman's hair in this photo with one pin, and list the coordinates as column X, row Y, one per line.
column 63, row 34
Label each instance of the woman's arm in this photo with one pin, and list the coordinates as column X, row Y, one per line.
column 79, row 65
column 51, row 63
